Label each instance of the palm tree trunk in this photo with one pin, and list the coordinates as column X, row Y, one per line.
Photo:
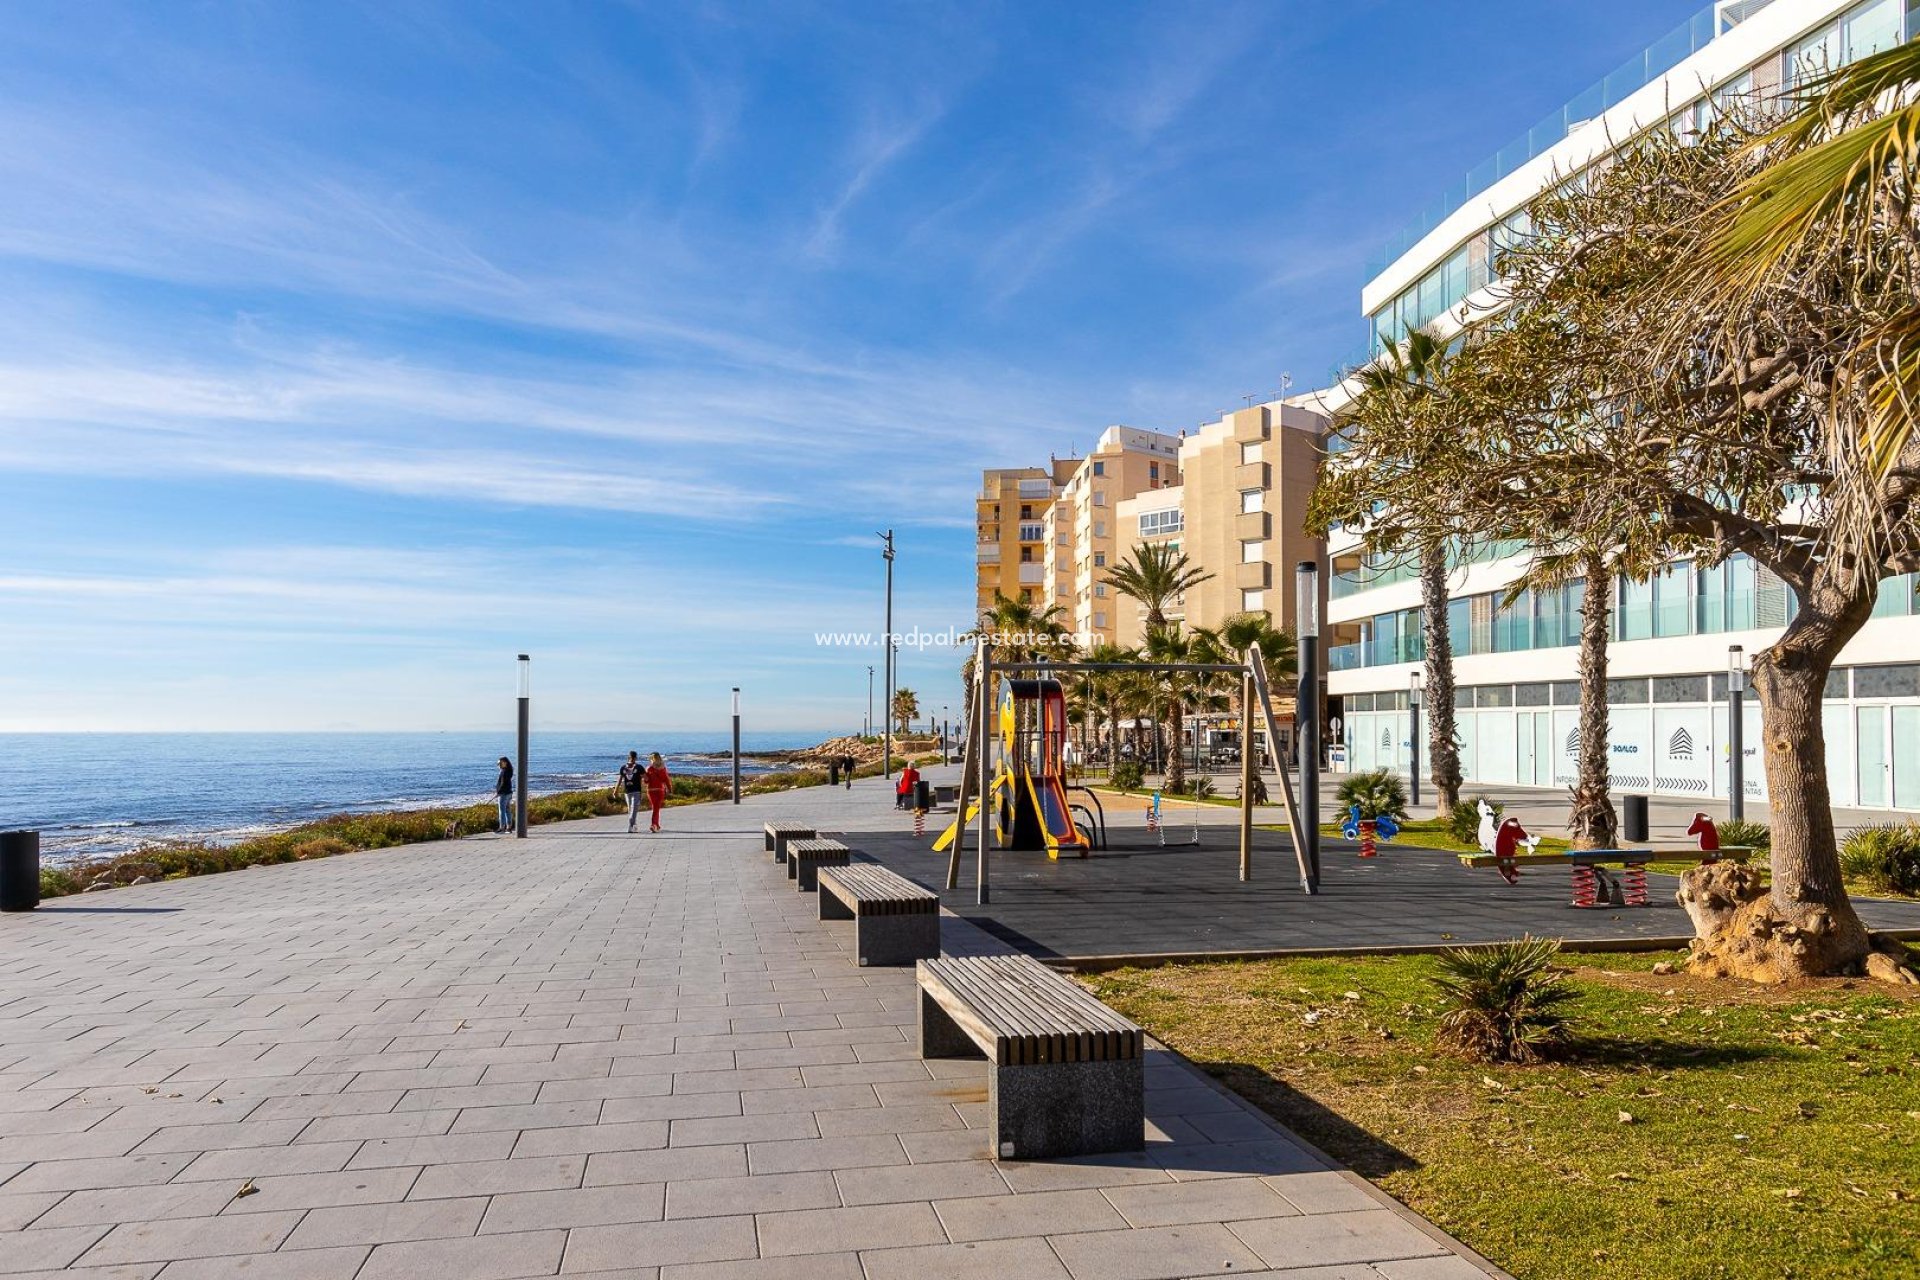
column 1806, row 925
column 1593, row 823
column 1443, row 740
column 1176, row 758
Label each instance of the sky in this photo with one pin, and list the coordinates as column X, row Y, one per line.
column 347, row 350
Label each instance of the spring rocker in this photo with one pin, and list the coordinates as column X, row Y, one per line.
column 1370, row 832
column 1506, row 847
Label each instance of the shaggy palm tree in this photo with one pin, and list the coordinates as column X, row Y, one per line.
column 1156, row 574
column 1179, row 690
column 1836, row 166
column 906, row 706
column 1016, row 631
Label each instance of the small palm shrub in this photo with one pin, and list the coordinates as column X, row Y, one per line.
column 1885, row 857
column 1127, row 775
column 1201, row 787
column 1752, row 835
column 1379, row 794
column 1463, row 821
column 1504, row 1000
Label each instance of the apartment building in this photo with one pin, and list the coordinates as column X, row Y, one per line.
column 1012, row 517
column 1158, row 516
column 1124, row 463
column 1516, row 664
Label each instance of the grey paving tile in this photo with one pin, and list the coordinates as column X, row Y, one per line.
column 502, row 1257
column 1372, row 1235
column 1446, row 1267
column 579, row 1207
column 1118, row 1170
column 325, row 1190
column 201, row 1237
column 1326, row 1192
column 1039, row 1213
column 495, row 1177
column 114, row 1205
column 674, row 1164
column 304, row 1264
column 49, row 1249
column 1030, row 1259
column 825, row 1153
column 950, row 1180
column 764, row 1193
column 773, row 1127
column 1154, row 1253
column 372, row 1224
column 453, row 1148
column 1211, row 1200
column 581, row 1139
column 249, row 1162
column 660, row 1244
column 811, row 1266
column 876, row 1226
column 1235, row 1159
column 130, row 1271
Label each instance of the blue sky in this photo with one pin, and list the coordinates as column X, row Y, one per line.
column 346, row 350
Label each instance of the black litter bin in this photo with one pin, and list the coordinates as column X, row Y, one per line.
column 1633, row 818
column 19, row 870
column 923, row 794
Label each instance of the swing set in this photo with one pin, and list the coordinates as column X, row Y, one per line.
column 1021, row 770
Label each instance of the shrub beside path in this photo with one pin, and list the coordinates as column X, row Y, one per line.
column 583, row 1052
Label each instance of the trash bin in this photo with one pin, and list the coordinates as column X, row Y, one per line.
column 1633, row 818
column 19, row 870
column 923, row 794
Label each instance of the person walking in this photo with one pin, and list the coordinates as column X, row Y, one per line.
column 847, row 767
column 503, row 792
column 633, row 784
column 658, row 784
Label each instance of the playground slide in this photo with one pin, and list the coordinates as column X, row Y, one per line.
column 1050, row 802
column 952, row 832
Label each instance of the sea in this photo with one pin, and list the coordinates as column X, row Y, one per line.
column 95, row 794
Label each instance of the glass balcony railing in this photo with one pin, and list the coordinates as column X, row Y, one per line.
column 1346, row 657
column 1658, row 58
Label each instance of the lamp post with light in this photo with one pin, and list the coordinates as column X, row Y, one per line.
column 736, row 744
column 1413, row 736
column 1736, row 733
column 1306, row 710
column 520, row 763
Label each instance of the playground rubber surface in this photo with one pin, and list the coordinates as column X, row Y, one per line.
column 1140, row 899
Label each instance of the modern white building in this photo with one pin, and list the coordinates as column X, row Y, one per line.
column 1516, row 667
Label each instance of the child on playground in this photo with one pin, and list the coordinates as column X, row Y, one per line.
column 658, row 784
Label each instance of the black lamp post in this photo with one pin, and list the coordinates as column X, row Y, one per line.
column 1413, row 736
column 886, row 706
column 736, row 744
column 1306, row 710
column 520, row 764
column 1736, row 733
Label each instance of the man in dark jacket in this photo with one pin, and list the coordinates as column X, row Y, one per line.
column 847, row 766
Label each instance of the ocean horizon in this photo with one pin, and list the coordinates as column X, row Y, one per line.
column 93, row 794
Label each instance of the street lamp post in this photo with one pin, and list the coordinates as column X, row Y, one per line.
column 868, row 731
column 1413, row 735
column 1306, row 713
column 520, row 763
column 736, row 744
column 1736, row 733
column 886, row 707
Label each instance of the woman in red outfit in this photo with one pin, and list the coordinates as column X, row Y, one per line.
column 658, row 784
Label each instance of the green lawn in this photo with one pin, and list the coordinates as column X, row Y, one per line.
column 1697, row 1130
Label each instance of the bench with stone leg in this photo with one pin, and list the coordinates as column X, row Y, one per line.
column 895, row 921
column 780, row 834
column 806, row 857
column 1064, row 1072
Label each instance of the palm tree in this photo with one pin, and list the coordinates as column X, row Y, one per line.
column 1399, row 384
column 1177, row 690
column 906, row 705
column 1107, row 692
column 1278, row 652
column 1837, row 165
column 1016, row 632
column 1156, row 574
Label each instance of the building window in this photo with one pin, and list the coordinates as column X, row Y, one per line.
column 1099, row 498
column 1253, row 601
column 1250, row 451
column 1033, row 533
column 1253, row 551
column 1099, row 559
column 1100, row 590
column 1099, row 529
column 1153, row 471
column 1099, row 619
column 1099, row 468
column 1251, row 500
column 1155, row 524
column 1026, row 511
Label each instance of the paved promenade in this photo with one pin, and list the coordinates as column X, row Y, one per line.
column 584, row 1052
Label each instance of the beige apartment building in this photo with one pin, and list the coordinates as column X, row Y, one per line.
column 1085, row 534
column 1012, row 515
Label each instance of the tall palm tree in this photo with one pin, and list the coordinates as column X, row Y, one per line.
column 1279, row 655
column 1848, row 154
column 1156, row 574
column 1017, row 631
column 906, row 706
column 1179, row 690
column 1400, row 383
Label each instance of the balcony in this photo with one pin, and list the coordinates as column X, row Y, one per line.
column 1252, row 475
column 1032, row 575
column 1249, row 525
column 1253, row 575
column 987, row 553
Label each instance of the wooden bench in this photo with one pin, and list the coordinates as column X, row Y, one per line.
column 1592, row 886
column 806, row 857
column 895, row 921
column 780, row 833
column 1064, row 1072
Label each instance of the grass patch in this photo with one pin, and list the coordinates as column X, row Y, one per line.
column 1691, row 1129
column 356, row 832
